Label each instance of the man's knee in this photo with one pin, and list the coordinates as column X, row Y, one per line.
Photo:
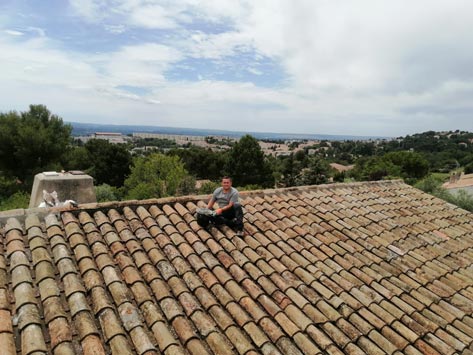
column 238, row 212
column 203, row 220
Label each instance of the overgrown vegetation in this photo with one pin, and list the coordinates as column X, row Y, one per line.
column 433, row 185
column 36, row 140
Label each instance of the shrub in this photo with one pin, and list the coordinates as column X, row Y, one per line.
column 433, row 185
column 208, row 187
column 430, row 184
column 107, row 193
column 17, row 200
column 469, row 169
column 461, row 199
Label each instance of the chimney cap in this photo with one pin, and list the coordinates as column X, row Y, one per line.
column 76, row 172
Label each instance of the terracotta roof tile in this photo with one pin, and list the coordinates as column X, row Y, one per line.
column 364, row 268
column 7, row 343
column 369, row 346
column 183, row 328
column 218, row 344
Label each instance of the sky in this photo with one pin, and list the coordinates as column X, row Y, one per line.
column 367, row 67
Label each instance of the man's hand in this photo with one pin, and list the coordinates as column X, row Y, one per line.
column 219, row 211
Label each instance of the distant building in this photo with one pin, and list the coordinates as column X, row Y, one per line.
column 341, row 168
column 180, row 139
column 173, row 137
column 115, row 138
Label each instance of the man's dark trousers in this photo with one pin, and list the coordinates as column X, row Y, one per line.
column 232, row 217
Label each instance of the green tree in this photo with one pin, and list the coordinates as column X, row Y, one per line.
column 108, row 163
column 290, row 168
column 469, row 168
column 77, row 158
column 8, row 186
column 374, row 168
column 31, row 142
column 247, row 164
column 318, row 172
column 202, row 163
column 156, row 175
column 413, row 165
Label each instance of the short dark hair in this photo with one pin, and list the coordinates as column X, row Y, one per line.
column 227, row 177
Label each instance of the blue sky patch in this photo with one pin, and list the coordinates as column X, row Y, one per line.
column 239, row 68
column 137, row 90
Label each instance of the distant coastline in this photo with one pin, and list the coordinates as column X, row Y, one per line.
column 81, row 129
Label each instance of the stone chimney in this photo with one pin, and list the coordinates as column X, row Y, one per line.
column 72, row 185
column 454, row 177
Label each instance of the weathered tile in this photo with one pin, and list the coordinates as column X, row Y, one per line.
column 163, row 336
column 183, row 329
column 110, row 324
column 5, row 322
column 60, row 331
column 32, row 339
column 7, row 343
column 361, row 268
column 217, row 343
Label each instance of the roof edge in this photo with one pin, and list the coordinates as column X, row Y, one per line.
column 322, row 186
column 22, row 213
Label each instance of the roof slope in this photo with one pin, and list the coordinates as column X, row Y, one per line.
column 365, row 268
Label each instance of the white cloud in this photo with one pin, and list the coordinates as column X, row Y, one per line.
column 36, row 63
column 90, row 10
column 140, row 65
column 115, row 29
column 153, row 16
column 13, row 33
column 369, row 46
column 371, row 67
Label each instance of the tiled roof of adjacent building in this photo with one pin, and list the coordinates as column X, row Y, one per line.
column 341, row 167
column 363, row 268
column 464, row 180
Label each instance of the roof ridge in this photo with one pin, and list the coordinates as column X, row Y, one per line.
column 96, row 206
column 324, row 186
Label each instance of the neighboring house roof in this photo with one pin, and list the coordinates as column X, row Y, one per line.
column 465, row 180
column 341, row 168
column 361, row 268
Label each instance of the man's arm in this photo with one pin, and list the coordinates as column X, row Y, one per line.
column 211, row 202
column 225, row 208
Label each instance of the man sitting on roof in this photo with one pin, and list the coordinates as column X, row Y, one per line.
column 229, row 210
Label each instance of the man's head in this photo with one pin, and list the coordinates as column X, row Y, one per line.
column 226, row 183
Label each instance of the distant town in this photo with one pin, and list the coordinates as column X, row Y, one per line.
column 269, row 147
column 274, row 144
column 85, row 129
